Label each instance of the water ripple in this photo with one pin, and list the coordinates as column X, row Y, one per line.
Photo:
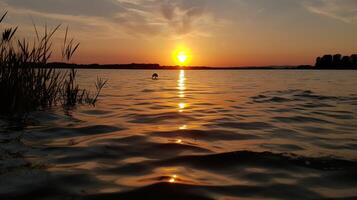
column 190, row 135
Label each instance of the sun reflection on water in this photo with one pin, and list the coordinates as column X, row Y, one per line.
column 173, row 179
column 181, row 86
column 183, row 127
column 182, row 106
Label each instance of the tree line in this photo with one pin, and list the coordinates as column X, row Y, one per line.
column 337, row 61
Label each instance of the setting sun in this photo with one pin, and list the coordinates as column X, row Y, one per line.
column 181, row 56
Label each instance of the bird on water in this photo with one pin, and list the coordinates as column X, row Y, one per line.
column 155, row 76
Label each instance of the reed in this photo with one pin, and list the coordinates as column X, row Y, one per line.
column 28, row 82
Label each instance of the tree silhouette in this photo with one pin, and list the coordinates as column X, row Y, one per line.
column 354, row 59
column 346, row 62
column 336, row 61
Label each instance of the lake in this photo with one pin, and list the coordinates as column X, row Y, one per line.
column 191, row 135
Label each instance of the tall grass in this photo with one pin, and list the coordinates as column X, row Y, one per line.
column 28, row 82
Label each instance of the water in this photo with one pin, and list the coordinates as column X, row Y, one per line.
column 191, row 135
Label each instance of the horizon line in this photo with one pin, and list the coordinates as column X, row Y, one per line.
column 183, row 66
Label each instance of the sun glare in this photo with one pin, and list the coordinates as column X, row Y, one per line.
column 181, row 56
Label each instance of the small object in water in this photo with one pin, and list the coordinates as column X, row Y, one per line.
column 155, row 76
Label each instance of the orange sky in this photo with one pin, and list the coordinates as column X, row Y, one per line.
column 215, row 33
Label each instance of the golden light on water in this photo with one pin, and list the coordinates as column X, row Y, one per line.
column 181, row 95
column 173, row 179
column 183, row 127
column 182, row 105
column 182, row 75
column 181, row 83
column 181, row 86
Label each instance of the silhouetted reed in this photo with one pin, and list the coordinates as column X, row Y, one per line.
column 28, row 82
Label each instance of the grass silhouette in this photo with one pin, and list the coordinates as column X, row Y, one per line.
column 28, row 82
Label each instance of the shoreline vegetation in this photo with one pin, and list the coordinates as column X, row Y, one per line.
column 140, row 66
column 326, row 62
column 26, row 84
column 336, row 61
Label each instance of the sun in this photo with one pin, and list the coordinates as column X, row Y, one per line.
column 181, row 56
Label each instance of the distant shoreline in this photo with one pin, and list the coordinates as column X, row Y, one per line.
column 135, row 66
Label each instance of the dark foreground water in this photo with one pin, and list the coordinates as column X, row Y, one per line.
column 191, row 135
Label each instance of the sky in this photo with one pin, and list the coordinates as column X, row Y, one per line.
column 211, row 32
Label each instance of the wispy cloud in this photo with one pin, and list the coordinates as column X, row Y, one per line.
column 344, row 10
column 133, row 17
column 102, row 8
column 98, row 16
column 183, row 15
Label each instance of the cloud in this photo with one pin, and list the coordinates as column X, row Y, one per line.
column 344, row 10
column 102, row 8
column 108, row 18
column 134, row 17
column 182, row 15
column 140, row 18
